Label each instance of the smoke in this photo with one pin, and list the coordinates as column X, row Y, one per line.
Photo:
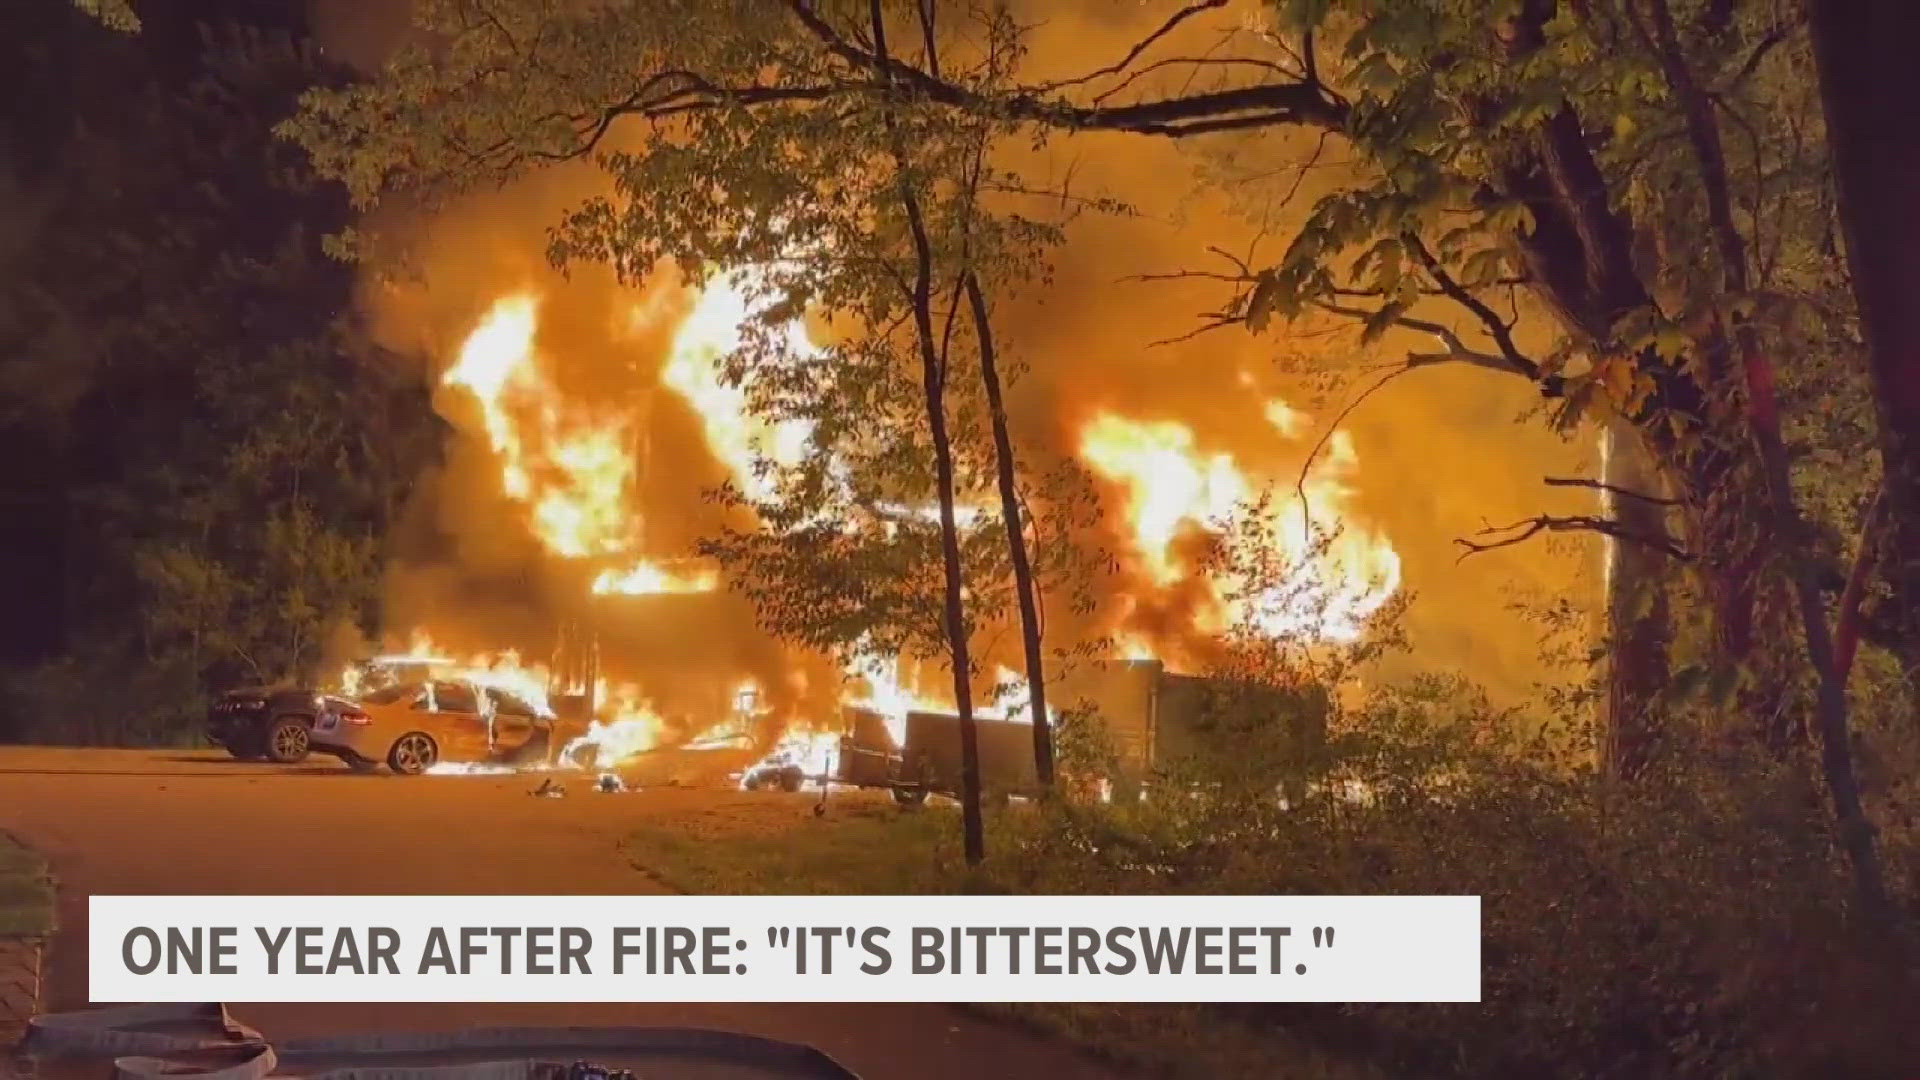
column 1436, row 455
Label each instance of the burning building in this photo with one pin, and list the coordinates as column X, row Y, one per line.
column 590, row 418
column 650, row 646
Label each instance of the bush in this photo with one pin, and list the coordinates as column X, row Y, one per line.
column 1692, row 923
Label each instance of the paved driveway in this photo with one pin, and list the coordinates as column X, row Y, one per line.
column 116, row 821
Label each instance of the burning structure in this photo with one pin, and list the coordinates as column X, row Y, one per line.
column 590, row 419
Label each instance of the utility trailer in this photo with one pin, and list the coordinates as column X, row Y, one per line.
column 1158, row 725
column 929, row 760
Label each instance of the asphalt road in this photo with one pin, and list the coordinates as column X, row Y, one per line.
column 166, row 822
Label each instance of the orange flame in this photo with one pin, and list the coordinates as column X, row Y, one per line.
column 573, row 467
column 1170, row 486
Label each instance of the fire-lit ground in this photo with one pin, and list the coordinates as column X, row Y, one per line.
column 117, row 821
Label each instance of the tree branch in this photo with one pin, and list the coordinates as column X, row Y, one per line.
column 1139, row 47
column 1846, row 632
column 1259, row 105
column 1490, row 320
column 1455, row 348
column 1611, row 489
column 1521, row 531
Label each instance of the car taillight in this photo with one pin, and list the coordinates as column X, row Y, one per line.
column 351, row 716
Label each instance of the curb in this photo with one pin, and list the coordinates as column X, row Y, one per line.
column 215, row 1047
column 21, row 973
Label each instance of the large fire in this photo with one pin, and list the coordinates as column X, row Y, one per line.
column 572, row 466
column 1336, row 578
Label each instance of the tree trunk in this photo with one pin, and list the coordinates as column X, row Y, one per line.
column 933, row 380
column 1639, row 619
column 1873, row 129
column 1023, row 583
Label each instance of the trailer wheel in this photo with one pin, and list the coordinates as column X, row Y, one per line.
column 910, row 797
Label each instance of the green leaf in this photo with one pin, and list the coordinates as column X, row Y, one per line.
column 1483, row 267
column 1671, row 343
column 114, row 14
column 1376, row 74
column 1381, row 321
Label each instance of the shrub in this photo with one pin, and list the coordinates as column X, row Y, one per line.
column 1691, row 923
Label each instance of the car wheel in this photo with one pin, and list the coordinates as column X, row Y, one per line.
column 288, row 740
column 792, row 780
column 413, row 754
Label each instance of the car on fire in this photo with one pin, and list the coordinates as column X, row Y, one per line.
column 412, row 726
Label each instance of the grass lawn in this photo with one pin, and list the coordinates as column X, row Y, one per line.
column 26, row 891
column 865, row 845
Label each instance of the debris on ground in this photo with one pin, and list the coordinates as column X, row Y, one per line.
column 548, row 790
column 610, row 783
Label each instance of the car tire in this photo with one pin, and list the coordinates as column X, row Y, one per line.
column 792, row 781
column 413, row 753
column 288, row 740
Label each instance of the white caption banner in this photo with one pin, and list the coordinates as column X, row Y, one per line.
column 458, row 949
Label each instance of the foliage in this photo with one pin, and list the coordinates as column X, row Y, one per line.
column 26, row 891
column 1534, row 174
column 115, row 14
column 1687, row 924
column 232, row 451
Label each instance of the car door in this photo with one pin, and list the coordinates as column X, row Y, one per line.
column 456, row 721
column 517, row 725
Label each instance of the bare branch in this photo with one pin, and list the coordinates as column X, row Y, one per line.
column 1326, row 433
column 1611, row 489
column 1259, row 105
column 1456, row 350
column 1521, row 531
column 1215, row 321
column 1141, row 46
column 1846, row 631
column 1766, row 45
column 1195, row 62
column 1490, row 320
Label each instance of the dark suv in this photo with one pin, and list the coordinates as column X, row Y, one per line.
column 274, row 724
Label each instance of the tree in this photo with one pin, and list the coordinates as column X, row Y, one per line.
column 872, row 211
column 231, row 451
column 1570, row 151
column 1876, row 160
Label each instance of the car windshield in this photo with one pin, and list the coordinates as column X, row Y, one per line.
column 391, row 694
